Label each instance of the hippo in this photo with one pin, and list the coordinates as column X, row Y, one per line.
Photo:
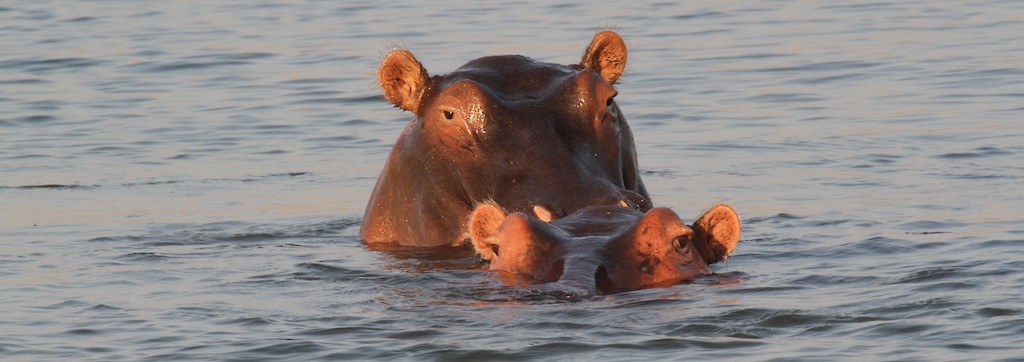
column 603, row 249
column 537, row 138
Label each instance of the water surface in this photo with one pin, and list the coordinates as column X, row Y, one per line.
column 185, row 180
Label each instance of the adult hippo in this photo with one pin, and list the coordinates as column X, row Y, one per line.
column 540, row 138
column 603, row 249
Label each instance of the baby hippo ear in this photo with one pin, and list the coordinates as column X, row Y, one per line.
column 483, row 225
column 717, row 233
column 606, row 55
column 402, row 79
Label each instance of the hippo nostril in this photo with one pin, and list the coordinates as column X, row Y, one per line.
column 648, row 265
column 680, row 242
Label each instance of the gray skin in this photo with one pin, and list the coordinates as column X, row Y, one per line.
column 541, row 138
column 603, row 249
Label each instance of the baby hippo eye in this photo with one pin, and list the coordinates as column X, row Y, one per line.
column 448, row 114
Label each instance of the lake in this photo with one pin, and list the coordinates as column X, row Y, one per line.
column 185, row 181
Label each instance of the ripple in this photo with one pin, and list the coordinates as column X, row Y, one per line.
column 143, row 257
column 29, row 120
column 881, row 246
column 312, row 81
column 249, row 321
column 104, row 308
column 978, row 153
column 339, row 100
column 333, row 139
column 71, row 303
column 906, row 310
column 830, row 79
column 187, row 65
column 23, row 81
column 257, row 178
column 82, row 332
column 990, row 312
column 893, row 329
column 931, row 225
column 50, row 187
column 931, row 274
column 784, row 98
column 341, row 331
column 819, row 279
column 288, row 348
column 36, row 65
column 822, row 67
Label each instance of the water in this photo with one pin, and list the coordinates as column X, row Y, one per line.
column 185, row 180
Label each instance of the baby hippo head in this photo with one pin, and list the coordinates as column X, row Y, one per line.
column 605, row 249
column 519, row 244
column 659, row 250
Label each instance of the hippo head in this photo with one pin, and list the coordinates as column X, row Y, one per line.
column 604, row 249
column 534, row 137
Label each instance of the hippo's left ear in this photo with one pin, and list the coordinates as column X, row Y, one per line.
column 483, row 224
column 403, row 79
column 606, row 55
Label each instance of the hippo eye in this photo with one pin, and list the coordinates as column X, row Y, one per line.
column 608, row 103
column 448, row 114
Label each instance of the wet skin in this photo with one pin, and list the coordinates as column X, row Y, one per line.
column 537, row 138
column 603, row 249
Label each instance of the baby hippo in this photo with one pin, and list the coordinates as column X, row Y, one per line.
column 604, row 249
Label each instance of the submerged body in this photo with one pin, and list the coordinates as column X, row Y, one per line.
column 604, row 249
column 542, row 138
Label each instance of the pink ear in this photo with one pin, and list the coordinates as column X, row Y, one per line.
column 402, row 79
column 606, row 55
column 719, row 232
column 483, row 224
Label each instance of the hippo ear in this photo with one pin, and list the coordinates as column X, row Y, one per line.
column 606, row 55
column 718, row 232
column 402, row 79
column 483, row 224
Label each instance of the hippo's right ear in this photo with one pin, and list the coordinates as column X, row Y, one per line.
column 483, row 224
column 718, row 232
column 403, row 79
column 606, row 55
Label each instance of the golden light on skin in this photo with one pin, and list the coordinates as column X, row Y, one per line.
column 542, row 213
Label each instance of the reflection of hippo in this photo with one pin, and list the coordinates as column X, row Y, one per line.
column 604, row 249
column 534, row 137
